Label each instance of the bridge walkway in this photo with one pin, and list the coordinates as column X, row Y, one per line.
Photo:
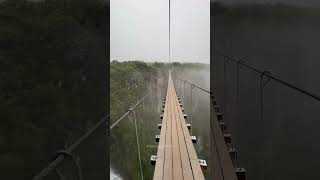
column 176, row 157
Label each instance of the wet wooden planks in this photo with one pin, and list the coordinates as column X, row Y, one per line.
column 176, row 156
column 221, row 164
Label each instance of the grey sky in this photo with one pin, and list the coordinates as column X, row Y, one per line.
column 139, row 30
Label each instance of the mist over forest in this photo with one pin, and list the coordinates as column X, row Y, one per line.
column 54, row 88
column 131, row 80
column 284, row 40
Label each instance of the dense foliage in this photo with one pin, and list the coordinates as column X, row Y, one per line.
column 129, row 81
column 53, row 79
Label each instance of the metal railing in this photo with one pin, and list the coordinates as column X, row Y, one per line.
column 267, row 74
column 68, row 152
column 212, row 121
column 57, row 167
column 264, row 77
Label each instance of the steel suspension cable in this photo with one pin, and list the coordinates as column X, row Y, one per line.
column 276, row 79
column 237, row 89
column 59, row 159
column 194, row 85
column 184, row 89
column 211, row 124
column 128, row 111
column 137, row 139
column 169, row 32
column 127, row 114
column 191, row 88
column 180, row 88
column 225, row 87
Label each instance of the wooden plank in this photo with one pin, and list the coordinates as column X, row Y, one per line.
column 224, row 167
column 186, row 168
column 177, row 166
column 196, row 169
column 167, row 174
column 191, row 151
column 162, row 141
column 197, row 172
column 177, row 158
column 158, row 173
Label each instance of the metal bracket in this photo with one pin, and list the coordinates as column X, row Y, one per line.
column 131, row 111
column 75, row 161
column 265, row 74
column 185, row 116
column 157, row 138
column 194, row 139
column 153, row 160
column 203, row 164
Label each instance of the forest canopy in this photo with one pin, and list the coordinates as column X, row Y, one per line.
column 53, row 75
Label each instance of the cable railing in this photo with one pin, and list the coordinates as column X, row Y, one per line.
column 234, row 155
column 267, row 74
column 264, row 77
column 128, row 111
column 192, row 86
column 205, row 90
column 69, row 152
column 134, row 118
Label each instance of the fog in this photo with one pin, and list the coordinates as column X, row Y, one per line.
column 197, row 109
column 114, row 176
column 139, row 30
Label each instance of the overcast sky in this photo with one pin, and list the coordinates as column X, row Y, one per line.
column 139, row 30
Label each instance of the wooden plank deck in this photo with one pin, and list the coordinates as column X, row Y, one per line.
column 221, row 164
column 176, row 156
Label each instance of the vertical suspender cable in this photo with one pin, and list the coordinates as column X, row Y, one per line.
column 261, row 119
column 191, row 88
column 224, row 87
column 180, row 88
column 262, row 85
column 271, row 77
column 137, row 140
column 237, row 104
column 169, row 33
column 184, row 89
column 261, row 97
column 237, row 98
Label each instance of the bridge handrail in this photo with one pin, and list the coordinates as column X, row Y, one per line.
column 61, row 156
column 266, row 74
column 128, row 111
column 205, row 90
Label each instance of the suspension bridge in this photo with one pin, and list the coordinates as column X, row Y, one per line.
column 176, row 157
